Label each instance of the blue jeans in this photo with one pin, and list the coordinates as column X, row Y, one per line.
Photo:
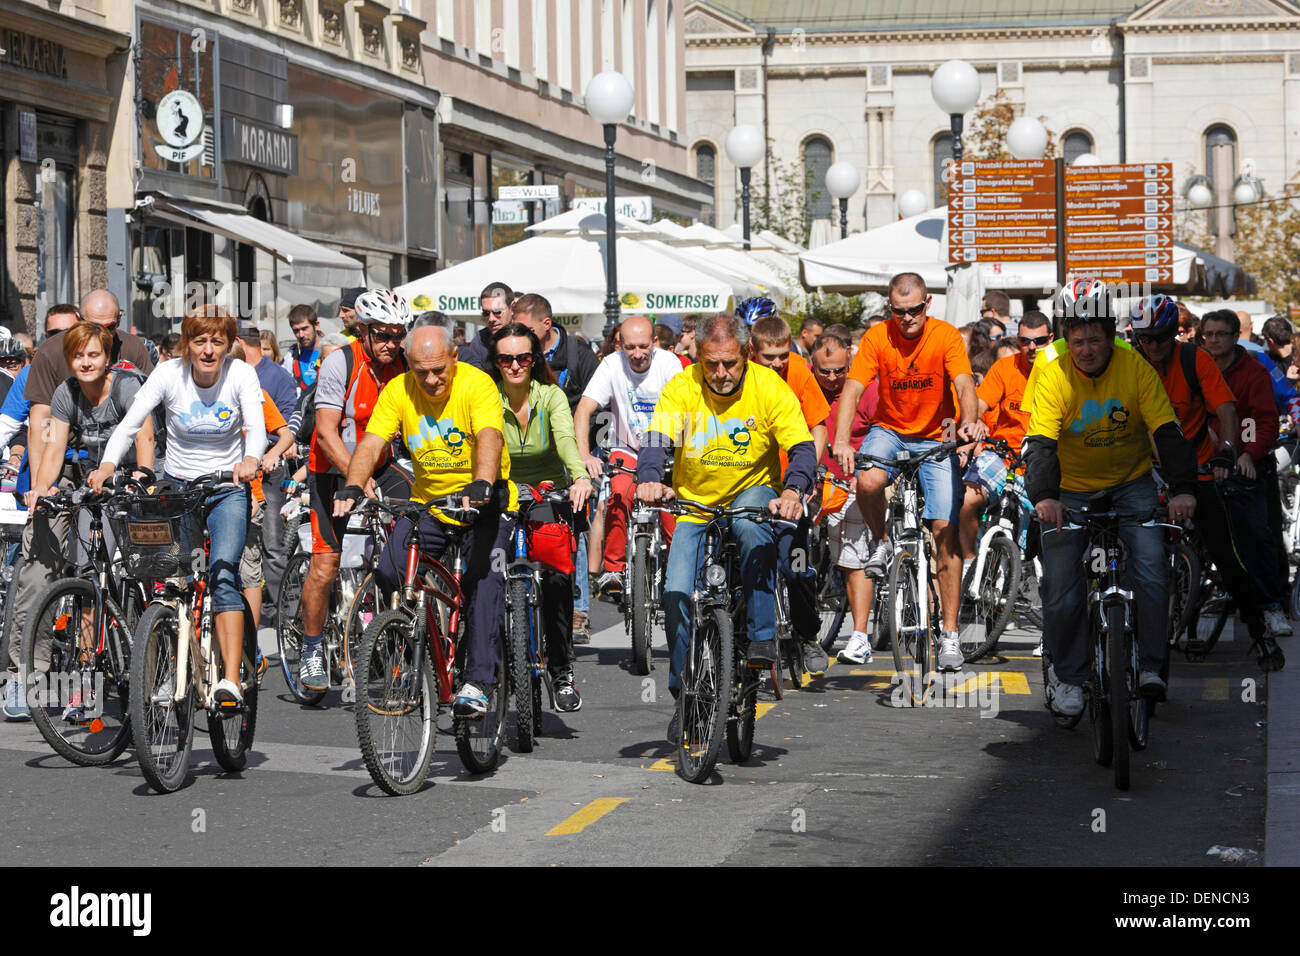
column 758, row 559
column 227, row 523
column 1064, row 587
column 583, row 601
column 940, row 480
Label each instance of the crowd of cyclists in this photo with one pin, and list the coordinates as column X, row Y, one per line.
column 1149, row 406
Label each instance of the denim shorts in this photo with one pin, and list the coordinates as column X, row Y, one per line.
column 940, row 480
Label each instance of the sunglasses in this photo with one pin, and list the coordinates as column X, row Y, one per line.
column 913, row 311
column 496, row 312
column 834, row 371
column 387, row 336
column 523, row 359
column 1036, row 340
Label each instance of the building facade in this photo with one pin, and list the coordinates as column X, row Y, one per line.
column 1211, row 86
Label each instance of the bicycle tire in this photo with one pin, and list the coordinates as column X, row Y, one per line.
column 909, row 647
column 1295, row 599
column 518, row 626
column 389, row 690
column 993, row 601
column 163, row 727
column 232, row 736
column 1184, row 588
column 705, row 694
column 98, row 741
column 1118, row 662
column 365, row 606
column 478, row 741
column 1195, row 648
column 833, row 606
column 641, row 611
column 288, row 628
column 744, row 712
column 1098, row 707
column 880, row 632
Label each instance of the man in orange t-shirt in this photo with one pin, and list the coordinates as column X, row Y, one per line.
column 770, row 347
column 1001, row 395
column 919, row 362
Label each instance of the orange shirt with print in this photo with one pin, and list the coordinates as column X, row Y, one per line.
column 1003, row 390
column 917, row 375
column 1193, row 414
column 274, row 422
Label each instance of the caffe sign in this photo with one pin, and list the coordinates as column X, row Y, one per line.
column 180, row 123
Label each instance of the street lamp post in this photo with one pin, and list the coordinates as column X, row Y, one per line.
column 842, row 181
column 955, row 87
column 745, row 147
column 609, row 100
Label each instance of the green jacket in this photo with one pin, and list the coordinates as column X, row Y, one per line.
column 547, row 447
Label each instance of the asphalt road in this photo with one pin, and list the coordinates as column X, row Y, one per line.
column 839, row 776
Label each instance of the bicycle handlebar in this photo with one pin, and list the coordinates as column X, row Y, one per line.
column 684, row 506
column 905, row 459
column 1081, row 519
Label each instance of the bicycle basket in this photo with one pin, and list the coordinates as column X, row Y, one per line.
column 152, row 537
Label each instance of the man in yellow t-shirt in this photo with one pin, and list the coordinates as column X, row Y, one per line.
column 727, row 422
column 1094, row 403
column 449, row 415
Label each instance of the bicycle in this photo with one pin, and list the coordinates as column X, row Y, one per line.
column 76, row 647
column 716, row 673
column 176, row 661
column 912, row 621
column 353, row 604
column 832, row 584
column 396, row 688
column 1120, row 717
column 992, row 582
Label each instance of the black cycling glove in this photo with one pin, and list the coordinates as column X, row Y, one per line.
column 351, row 493
column 480, row 490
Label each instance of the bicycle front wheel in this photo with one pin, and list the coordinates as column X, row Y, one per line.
column 395, row 705
column 705, row 693
column 163, row 722
column 744, row 711
column 478, row 740
column 519, row 625
column 908, row 638
column 641, row 610
column 986, row 604
column 232, row 735
column 1123, row 690
column 77, row 693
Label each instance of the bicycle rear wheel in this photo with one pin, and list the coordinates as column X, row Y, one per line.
column 478, row 741
column 909, row 641
column 163, row 725
column 986, row 604
column 705, row 693
column 743, row 710
column 288, row 627
column 832, row 606
column 641, row 612
column 1184, row 589
column 367, row 604
column 78, row 695
column 395, row 705
column 1122, row 689
column 518, row 644
column 232, row 735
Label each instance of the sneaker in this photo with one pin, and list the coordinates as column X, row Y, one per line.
column 675, row 728
column 15, row 702
column 262, row 666
column 879, row 560
column 814, row 658
column 762, row 653
column 858, row 649
column 1151, row 686
column 227, row 695
column 76, row 708
column 581, row 630
column 950, row 656
column 1038, row 651
column 1277, row 622
column 567, row 698
column 610, row 586
column 311, row 669
column 470, row 702
column 1067, row 699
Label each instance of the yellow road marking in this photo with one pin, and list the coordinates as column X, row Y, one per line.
column 1216, row 688
column 859, row 672
column 762, row 708
column 586, row 816
column 665, row 763
column 1011, row 682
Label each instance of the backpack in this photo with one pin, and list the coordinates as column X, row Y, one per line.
column 1187, row 358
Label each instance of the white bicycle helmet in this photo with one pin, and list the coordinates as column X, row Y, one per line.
column 382, row 307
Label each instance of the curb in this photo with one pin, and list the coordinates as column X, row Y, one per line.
column 1282, row 816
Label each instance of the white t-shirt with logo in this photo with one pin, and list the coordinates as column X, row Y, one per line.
column 630, row 396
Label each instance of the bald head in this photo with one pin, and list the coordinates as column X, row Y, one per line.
column 431, row 357
column 1247, row 326
column 100, row 307
column 637, row 339
column 428, row 338
column 638, row 325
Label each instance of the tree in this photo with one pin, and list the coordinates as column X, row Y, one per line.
column 780, row 204
column 1267, row 245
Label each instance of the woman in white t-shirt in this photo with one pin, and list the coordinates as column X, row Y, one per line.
column 211, row 401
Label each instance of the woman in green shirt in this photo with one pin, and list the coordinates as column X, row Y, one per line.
column 540, row 440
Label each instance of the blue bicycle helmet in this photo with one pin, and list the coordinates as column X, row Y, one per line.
column 1154, row 315
column 752, row 309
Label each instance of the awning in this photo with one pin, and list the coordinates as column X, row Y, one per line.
column 310, row 263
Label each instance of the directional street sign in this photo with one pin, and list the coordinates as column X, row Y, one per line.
column 1002, row 211
column 1118, row 225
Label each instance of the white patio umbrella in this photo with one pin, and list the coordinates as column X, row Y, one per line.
column 714, row 250
column 569, row 270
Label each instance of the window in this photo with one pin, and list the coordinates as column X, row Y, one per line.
column 706, row 165
column 941, row 149
column 1221, row 171
column 1074, row 145
column 816, row 160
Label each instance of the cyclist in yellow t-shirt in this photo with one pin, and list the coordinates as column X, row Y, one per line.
column 727, row 422
column 1094, row 403
column 450, row 417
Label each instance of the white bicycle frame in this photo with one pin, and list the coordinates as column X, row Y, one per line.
column 911, row 526
column 1002, row 529
column 207, row 670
